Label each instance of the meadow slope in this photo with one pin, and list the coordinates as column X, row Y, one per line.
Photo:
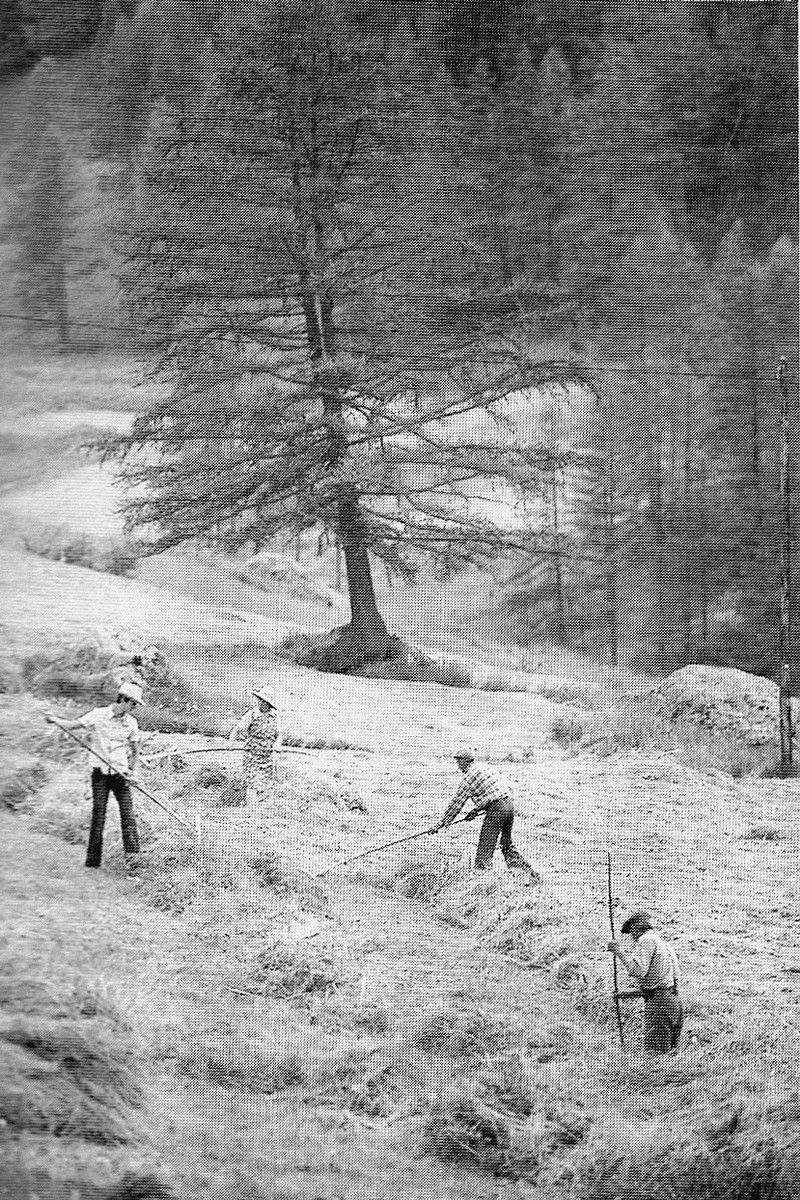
column 245, row 1017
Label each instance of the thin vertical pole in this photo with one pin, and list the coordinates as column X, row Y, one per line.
column 614, row 957
column 784, row 628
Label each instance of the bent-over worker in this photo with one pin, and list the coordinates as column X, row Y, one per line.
column 654, row 967
column 490, row 796
column 260, row 731
column 115, row 740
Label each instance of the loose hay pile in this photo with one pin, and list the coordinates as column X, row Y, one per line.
column 297, row 973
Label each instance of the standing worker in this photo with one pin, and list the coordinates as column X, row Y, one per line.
column 653, row 965
column 115, row 740
column 491, row 796
column 261, row 734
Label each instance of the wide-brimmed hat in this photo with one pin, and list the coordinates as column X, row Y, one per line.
column 131, row 691
column 642, row 919
column 267, row 695
column 465, row 753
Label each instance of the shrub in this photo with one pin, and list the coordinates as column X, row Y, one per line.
column 566, row 731
column 762, row 833
column 115, row 556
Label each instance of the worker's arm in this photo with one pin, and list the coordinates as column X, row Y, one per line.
column 456, row 804
column 240, row 728
column 637, row 964
column 63, row 723
column 134, row 756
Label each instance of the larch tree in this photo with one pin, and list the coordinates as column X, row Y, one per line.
column 291, row 258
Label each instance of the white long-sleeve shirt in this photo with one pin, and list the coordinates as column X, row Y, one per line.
column 654, row 964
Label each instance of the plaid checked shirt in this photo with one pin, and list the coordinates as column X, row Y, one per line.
column 484, row 789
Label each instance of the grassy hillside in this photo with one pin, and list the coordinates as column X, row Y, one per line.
column 248, row 1017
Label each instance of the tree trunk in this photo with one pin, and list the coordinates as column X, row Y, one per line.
column 611, row 581
column 658, row 532
column 558, row 577
column 687, row 611
column 367, row 630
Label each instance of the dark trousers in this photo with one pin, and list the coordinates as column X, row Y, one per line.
column 663, row 1021
column 497, row 824
column 102, row 784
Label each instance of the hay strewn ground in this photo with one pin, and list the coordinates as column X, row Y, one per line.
column 224, row 1023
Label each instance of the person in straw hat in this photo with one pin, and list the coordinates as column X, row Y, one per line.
column 491, row 797
column 260, row 731
column 114, row 738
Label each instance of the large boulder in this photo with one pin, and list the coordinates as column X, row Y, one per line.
column 723, row 700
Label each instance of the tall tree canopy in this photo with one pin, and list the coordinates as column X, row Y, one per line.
column 290, row 254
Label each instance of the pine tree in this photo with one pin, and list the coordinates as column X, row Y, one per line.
column 282, row 254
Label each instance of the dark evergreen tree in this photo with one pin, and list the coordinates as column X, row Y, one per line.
column 283, row 256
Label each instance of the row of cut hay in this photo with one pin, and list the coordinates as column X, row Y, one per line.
column 508, row 910
column 461, row 1030
column 69, row 1068
column 510, row 1127
column 268, row 1054
column 572, row 1138
column 755, row 1169
column 420, row 870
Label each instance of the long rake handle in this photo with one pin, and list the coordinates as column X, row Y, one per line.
column 614, row 957
column 397, row 842
column 132, row 782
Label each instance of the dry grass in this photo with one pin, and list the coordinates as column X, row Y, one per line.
column 68, row 1078
column 508, row 912
column 420, row 871
column 462, row 1128
column 750, row 1172
column 359, row 1079
column 224, row 1055
column 297, row 973
column 461, row 1030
